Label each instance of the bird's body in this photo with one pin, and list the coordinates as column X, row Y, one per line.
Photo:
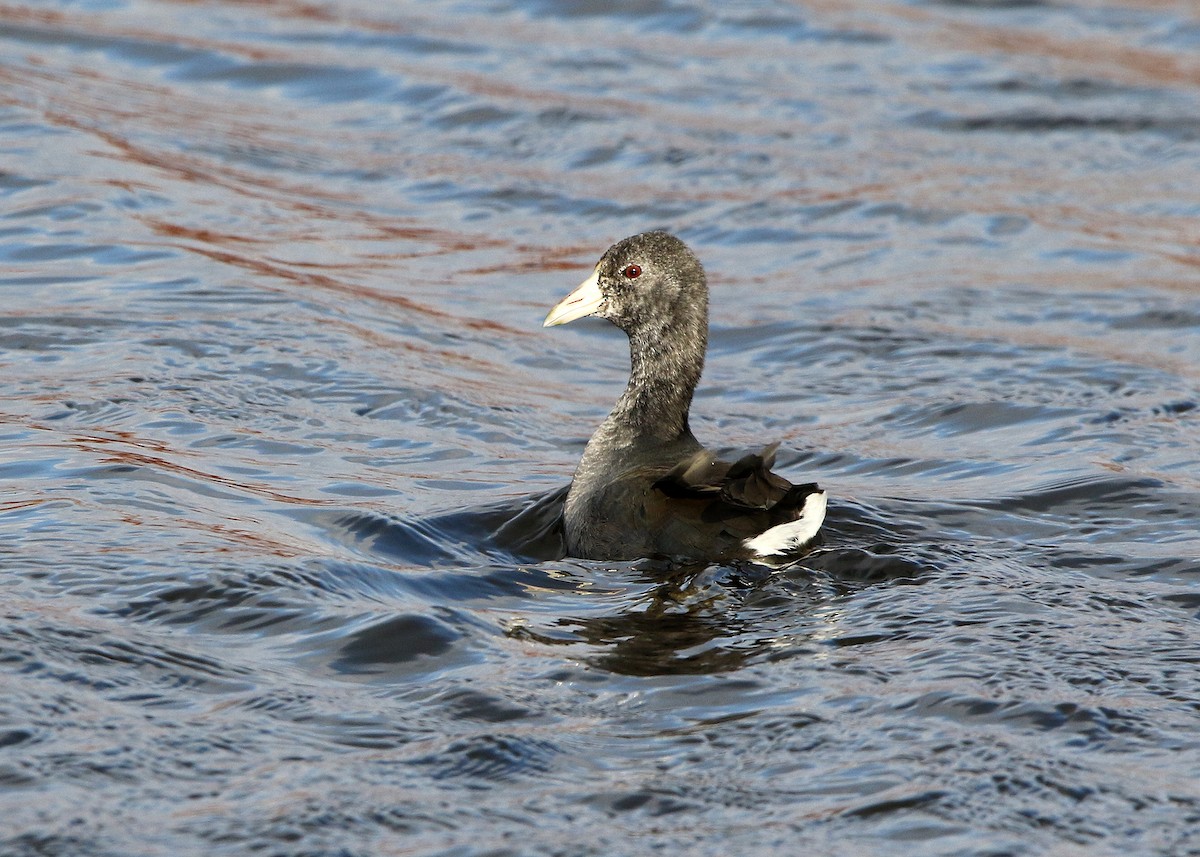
column 645, row 486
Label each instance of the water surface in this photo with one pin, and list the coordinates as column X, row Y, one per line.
column 279, row 427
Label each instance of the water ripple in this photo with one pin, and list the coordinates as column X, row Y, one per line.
column 284, row 448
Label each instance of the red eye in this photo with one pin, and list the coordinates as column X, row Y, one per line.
column 633, row 272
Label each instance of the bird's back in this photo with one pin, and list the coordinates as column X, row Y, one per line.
column 687, row 503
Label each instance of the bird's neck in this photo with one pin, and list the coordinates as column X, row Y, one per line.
column 665, row 365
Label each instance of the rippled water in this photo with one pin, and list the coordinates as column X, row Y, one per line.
column 275, row 391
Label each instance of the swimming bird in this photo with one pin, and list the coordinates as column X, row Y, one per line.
column 645, row 486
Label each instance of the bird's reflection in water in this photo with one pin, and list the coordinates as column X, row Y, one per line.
column 691, row 620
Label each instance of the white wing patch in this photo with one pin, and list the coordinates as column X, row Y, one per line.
column 785, row 538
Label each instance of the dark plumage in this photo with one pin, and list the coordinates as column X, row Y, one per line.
column 645, row 486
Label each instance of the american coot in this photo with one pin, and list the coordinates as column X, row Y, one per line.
column 645, row 486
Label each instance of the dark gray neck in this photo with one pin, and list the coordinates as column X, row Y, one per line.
column 666, row 359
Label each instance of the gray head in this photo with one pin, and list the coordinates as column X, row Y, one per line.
column 647, row 283
column 652, row 287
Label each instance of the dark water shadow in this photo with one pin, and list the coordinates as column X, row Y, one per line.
column 528, row 528
column 400, row 639
column 522, row 529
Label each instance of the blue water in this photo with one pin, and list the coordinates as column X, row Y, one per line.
column 281, row 433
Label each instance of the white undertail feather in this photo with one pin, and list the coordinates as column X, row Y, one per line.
column 784, row 538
